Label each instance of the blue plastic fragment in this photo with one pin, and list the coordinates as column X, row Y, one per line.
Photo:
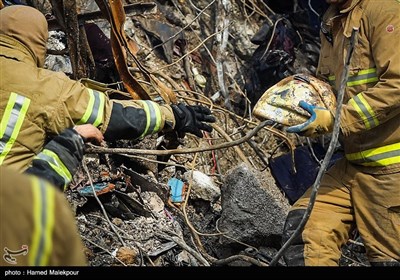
column 177, row 187
column 88, row 191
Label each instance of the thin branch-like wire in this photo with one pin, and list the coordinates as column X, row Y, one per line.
column 184, row 246
column 167, row 78
column 198, row 9
column 312, row 151
column 271, row 129
column 105, row 250
column 208, row 101
column 101, row 204
column 312, row 9
column 266, row 137
column 153, row 160
column 189, row 52
column 229, row 139
column 257, row 10
column 195, row 33
column 112, row 234
column 239, row 258
column 182, row 29
column 272, row 36
column 195, row 233
column 126, row 236
column 185, row 213
column 101, row 150
column 267, row 7
column 354, row 261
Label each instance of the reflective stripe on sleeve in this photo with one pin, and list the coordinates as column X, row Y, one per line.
column 153, row 116
column 43, row 215
column 56, row 164
column 11, row 122
column 361, row 78
column 382, row 156
column 95, row 109
column 365, row 111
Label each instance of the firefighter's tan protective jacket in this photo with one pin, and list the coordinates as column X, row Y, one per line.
column 37, row 225
column 36, row 102
column 370, row 119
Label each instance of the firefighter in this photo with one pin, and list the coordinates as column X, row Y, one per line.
column 361, row 190
column 63, row 154
column 37, row 103
column 37, row 224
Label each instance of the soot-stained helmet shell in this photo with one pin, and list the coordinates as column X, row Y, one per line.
column 280, row 102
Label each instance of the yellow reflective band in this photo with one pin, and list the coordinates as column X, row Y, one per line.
column 11, row 122
column 363, row 77
column 89, row 108
column 37, row 217
column 95, row 109
column 56, row 164
column 364, row 110
column 153, row 117
column 381, row 156
column 49, row 226
column 43, row 196
column 100, row 111
column 148, row 118
column 367, row 110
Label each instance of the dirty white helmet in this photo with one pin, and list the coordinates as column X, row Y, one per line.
column 280, row 102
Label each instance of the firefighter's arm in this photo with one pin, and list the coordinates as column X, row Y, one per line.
column 61, row 157
column 135, row 119
column 380, row 102
column 127, row 119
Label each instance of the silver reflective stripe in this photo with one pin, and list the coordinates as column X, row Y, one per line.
column 382, row 156
column 363, row 77
column 43, row 220
column 11, row 122
column 95, row 109
column 154, row 117
column 365, row 111
column 56, row 164
column 360, row 78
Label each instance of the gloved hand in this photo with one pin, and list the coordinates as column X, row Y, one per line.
column 191, row 118
column 320, row 122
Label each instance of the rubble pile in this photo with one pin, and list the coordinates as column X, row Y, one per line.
column 188, row 204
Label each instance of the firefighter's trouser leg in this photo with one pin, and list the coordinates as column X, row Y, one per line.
column 347, row 196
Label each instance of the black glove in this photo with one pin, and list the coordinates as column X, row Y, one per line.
column 191, row 118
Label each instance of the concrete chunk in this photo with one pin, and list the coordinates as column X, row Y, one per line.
column 253, row 208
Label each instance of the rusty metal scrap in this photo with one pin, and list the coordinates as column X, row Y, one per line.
column 122, row 47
